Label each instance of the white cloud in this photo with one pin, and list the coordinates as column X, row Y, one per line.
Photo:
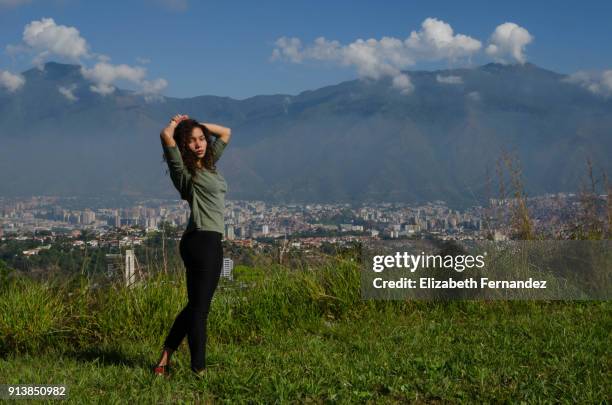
column 289, row 48
column 450, row 79
column 12, row 82
column 152, row 89
column 105, row 74
column 596, row 82
column 102, row 88
column 403, row 83
column 375, row 59
column 436, row 40
column 68, row 92
column 385, row 57
column 46, row 39
column 509, row 39
column 606, row 80
column 49, row 38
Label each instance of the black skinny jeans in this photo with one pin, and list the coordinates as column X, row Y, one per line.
column 202, row 254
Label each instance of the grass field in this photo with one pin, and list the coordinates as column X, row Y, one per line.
column 304, row 336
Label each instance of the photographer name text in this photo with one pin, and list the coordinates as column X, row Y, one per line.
column 458, row 263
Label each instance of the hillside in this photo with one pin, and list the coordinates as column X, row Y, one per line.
column 355, row 141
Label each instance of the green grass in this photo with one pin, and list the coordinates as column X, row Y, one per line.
column 305, row 337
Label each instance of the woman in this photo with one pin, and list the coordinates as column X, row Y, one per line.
column 191, row 155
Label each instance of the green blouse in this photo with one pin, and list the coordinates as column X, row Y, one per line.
column 205, row 192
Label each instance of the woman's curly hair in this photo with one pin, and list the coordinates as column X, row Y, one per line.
column 181, row 136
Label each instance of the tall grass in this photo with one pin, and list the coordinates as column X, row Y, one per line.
column 36, row 315
column 32, row 316
column 304, row 336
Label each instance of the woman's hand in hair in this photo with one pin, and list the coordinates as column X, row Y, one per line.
column 167, row 133
column 219, row 131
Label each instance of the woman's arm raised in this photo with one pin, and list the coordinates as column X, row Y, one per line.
column 219, row 131
column 167, row 134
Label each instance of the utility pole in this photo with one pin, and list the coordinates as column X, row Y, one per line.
column 282, row 249
column 164, row 245
column 129, row 268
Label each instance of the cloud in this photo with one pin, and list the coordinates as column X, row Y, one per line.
column 436, row 40
column 105, row 74
column 403, row 83
column 599, row 83
column 12, row 82
column 289, row 48
column 449, row 79
column 102, row 89
column 385, row 57
column 68, row 92
column 152, row 89
column 48, row 38
column 509, row 39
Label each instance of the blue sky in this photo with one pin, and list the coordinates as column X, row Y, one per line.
column 225, row 48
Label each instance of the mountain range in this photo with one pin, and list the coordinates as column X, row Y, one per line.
column 357, row 141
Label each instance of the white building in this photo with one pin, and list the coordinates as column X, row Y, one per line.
column 228, row 267
column 229, row 232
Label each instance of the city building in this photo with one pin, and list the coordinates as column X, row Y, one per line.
column 228, row 267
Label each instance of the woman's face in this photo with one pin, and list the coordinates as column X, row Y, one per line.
column 197, row 142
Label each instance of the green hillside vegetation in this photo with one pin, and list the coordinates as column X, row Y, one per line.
column 301, row 335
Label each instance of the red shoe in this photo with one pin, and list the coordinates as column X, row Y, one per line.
column 162, row 370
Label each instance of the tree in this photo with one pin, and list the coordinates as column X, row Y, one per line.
column 5, row 272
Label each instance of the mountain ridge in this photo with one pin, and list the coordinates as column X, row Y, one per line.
column 356, row 140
